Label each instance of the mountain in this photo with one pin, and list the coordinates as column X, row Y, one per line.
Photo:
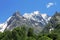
column 2, row 27
column 36, row 16
column 54, row 21
column 35, row 20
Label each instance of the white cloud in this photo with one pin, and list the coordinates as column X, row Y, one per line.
column 50, row 4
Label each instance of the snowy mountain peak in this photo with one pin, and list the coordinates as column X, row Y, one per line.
column 3, row 26
column 30, row 19
column 37, row 16
column 36, row 12
column 30, row 15
column 44, row 15
column 9, row 18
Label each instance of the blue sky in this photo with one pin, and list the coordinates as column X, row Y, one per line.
column 8, row 7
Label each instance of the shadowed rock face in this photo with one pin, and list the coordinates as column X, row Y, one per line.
column 55, row 19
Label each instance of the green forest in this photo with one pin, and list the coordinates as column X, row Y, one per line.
column 21, row 33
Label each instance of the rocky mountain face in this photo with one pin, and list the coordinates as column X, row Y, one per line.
column 55, row 19
column 35, row 20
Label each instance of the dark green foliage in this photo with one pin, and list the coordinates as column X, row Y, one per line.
column 57, row 26
column 1, row 35
column 53, row 36
column 22, row 33
column 31, row 38
column 19, row 33
column 7, row 35
column 30, row 32
column 44, row 38
column 15, row 35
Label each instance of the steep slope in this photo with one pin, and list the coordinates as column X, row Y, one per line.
column 2, row 27
column 36, row 16
column 46, row 17
column 54, row 21
column 35, row 20
column 18, row 20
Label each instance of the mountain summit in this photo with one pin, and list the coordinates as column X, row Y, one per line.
column 17, row 13
column 35, row 20
column 37, row 16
